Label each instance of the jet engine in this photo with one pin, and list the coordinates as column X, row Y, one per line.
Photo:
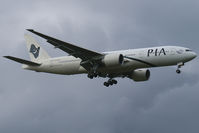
column 140, row 75
column 111, row 60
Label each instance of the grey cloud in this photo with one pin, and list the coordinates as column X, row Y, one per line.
column 38, row 102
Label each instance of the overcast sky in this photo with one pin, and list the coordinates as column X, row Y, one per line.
column 37, row 102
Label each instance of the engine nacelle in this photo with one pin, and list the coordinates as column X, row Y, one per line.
column 111, row 60
column 140, row 75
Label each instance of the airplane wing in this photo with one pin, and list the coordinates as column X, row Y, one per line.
column 69, row 48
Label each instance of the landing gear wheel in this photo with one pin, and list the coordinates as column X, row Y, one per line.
column 178, row 71
column 114, row 81
column 95, row 75
column 110, row 82
column 106, row 84
column 90, row 76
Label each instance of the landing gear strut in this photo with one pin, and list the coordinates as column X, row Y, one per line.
column 110, row 82
column 179, row 66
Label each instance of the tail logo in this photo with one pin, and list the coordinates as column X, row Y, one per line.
column 34, row 50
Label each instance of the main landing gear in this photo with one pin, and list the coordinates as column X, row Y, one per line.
column 110, row 82
column 179, row 66
column 92, row 75
column 107, row 83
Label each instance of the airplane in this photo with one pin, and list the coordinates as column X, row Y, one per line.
column 131, row 63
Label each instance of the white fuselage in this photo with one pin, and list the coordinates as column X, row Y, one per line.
column 133, row 59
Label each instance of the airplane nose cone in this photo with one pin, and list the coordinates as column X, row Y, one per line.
column 190, row 56
column 194, row 55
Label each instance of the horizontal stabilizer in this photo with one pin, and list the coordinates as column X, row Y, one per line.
column 22, row 61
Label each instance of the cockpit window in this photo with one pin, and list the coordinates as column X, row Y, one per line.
column 187, row 50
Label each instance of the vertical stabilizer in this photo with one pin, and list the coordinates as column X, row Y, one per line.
column 37, row 54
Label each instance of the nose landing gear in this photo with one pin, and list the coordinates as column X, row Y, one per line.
column 178, row 71
column 179, row 66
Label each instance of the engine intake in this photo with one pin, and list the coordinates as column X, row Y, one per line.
column 111, row 60
column 140, row 75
